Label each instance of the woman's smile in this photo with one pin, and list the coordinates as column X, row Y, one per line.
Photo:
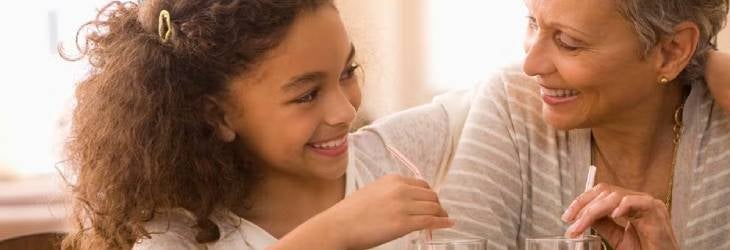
column 558, row 96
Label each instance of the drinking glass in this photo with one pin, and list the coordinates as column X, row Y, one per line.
column 448, row 244
column 588, row 242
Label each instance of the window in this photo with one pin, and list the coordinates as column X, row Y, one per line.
column 467, row 39
column 36, row 90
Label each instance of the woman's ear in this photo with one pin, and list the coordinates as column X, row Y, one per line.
column 216, row 117
column 677, row 50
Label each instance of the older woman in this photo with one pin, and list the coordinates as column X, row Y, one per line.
column 614, row 84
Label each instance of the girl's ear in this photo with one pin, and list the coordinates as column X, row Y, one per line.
column 216, row 117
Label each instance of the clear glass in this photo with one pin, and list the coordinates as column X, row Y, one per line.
column 562, row 243
column 448, row 244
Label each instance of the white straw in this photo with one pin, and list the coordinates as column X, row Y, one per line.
column 590, row 181
column 591, row 178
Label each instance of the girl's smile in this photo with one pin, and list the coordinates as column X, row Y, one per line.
column 330, row 148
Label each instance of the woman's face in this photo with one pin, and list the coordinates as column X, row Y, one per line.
column 293, row 111
column 588, row 61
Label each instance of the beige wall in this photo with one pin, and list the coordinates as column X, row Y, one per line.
column 724, row 39
column 390, row 45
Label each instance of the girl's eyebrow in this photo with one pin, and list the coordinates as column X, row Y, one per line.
column 299, row 81
column 312, row 77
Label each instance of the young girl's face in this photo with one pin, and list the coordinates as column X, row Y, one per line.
column 293, row 111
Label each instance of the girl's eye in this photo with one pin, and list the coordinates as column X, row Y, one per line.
column 349, row 72
column 310, row 96
column 566, row 42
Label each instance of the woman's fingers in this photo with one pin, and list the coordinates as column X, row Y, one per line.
column 635, row 206
column 628, row 219
column 581, row 201
column 609, row 230
column 597, row 209
column 585, row 208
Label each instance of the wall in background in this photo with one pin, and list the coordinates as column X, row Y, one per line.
column 414, row 49
column 389, row 39
column 36, row 92
column 724, row 38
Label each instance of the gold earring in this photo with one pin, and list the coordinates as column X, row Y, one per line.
column 663, row 80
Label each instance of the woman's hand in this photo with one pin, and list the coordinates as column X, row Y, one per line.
column 626, row 219
column 384, row 210
column 717, row 75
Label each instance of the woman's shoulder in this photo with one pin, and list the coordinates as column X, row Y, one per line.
column 509, row 85
column 510, row 97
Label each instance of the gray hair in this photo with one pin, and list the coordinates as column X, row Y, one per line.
column 656, row 19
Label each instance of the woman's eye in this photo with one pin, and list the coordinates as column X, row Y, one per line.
column 308, row 97
column 531, row 23
column 566, row 43
column 349, row 72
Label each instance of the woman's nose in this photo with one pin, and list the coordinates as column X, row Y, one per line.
column 537, row 60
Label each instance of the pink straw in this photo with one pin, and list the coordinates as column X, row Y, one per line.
column 398, row 155
column 402, row 158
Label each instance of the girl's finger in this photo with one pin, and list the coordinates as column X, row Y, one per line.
column 420, row 222
column 422, row 194
column 424, row 208
column 414, row 182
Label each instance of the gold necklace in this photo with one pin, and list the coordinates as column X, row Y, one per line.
column 677, row 130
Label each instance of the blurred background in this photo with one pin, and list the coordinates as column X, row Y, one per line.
column 411, row 50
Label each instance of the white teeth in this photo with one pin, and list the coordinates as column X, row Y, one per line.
column 330, row 144
column 558, row 92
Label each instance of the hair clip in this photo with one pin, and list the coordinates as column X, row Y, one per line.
column 164, row 26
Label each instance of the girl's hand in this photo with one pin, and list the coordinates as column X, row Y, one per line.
column 386, row 209
column 717, row 75
column 626, row 219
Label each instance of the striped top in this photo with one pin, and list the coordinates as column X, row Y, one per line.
column 513, row 175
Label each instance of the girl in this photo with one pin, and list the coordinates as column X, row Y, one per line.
column 224, row 124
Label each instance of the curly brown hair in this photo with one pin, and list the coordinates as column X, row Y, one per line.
column 140, row 142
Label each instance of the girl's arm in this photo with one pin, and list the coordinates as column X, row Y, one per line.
column 384, row 210
column 717, row 75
